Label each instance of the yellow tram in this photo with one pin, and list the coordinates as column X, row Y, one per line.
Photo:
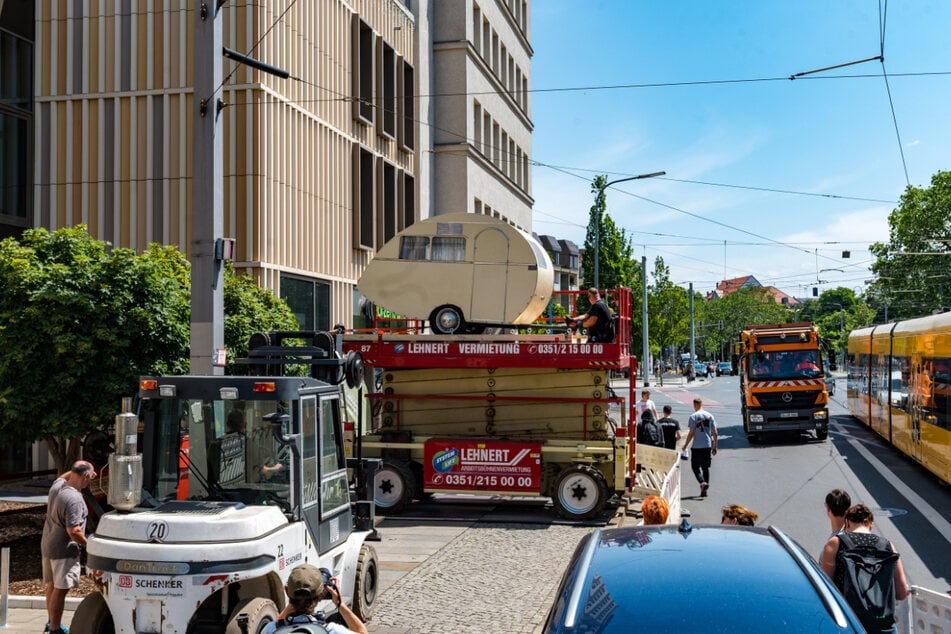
column 899, row 384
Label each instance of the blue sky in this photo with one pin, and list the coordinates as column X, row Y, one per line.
column 828, row 136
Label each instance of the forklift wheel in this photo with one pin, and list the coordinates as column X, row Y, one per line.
column 92, row 616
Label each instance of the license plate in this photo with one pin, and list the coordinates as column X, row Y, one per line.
column 788, row 414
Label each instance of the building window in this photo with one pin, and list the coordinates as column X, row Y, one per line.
column 387, row 203
column 363, row 70
column 309, row 300
column 409, row 201
column 363, row 199
column 408, row 129
column 477, row 123
column 387, row 91
column 14, row 167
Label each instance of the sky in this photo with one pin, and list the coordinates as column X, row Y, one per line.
column 828, row 139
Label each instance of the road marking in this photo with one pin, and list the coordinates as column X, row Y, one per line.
column 942, row 525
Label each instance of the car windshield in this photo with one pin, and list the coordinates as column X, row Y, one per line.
column 785, row 364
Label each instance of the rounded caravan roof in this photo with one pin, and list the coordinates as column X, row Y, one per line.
column 490, row 271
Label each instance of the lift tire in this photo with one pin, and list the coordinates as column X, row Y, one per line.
column 260, row 612
column 92, row 616
column 367, row 583
column 393, row 486
column 580, row 492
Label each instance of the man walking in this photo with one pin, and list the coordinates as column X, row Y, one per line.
column 703, row 433
column 671, row 428
column 64, row 535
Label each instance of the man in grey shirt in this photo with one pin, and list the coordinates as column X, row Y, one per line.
column 703, row 433
column 64, row 534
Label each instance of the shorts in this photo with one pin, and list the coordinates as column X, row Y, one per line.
column 62, row 573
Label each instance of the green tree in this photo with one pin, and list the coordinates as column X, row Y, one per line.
column 80, row 322
column 668, row 310
column 912, row 268
column 733, row 312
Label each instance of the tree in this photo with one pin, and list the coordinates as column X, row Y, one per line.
column 912, row 268
column 81, row 322
column 669, row 310
column 733, row 312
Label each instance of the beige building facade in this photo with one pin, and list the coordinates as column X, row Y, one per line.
column 395, row 110
column 319, row 169
column 482, row 129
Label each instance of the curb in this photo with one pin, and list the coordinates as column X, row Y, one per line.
column 38, row 603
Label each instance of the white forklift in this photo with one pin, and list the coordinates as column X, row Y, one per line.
column 241, row 479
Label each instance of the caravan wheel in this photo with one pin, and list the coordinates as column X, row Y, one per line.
column 446, row 320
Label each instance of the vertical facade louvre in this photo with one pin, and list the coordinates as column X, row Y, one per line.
column 113, row 117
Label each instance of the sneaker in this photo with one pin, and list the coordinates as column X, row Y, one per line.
column 703, row 489
column 62, row 629
column 47, row 628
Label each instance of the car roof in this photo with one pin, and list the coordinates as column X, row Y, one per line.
column 708, row 578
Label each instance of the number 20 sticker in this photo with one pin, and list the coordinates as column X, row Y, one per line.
column 158, row 531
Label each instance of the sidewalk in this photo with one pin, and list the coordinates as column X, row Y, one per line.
column 27, row 615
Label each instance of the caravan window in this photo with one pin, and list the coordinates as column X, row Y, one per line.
column 449, row 249
column 414, row 247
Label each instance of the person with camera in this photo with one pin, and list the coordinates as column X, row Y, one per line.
column 306, row 587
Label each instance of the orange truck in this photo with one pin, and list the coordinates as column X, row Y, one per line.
column 782, row 381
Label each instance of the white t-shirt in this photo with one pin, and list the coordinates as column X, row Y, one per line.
column 642, row 405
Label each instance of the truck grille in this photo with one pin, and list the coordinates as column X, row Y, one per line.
column 774, row 400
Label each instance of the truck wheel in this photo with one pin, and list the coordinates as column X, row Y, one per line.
column 446, row 320
column 260, row 612
column 367, row 583
column 393, row 486
column 92, row 616
column 822, row 434
column 580, row 492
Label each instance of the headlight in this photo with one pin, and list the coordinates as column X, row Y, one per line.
column 822, row 414
column 756, row 418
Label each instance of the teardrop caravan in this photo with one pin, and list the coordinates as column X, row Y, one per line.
column 462, row 272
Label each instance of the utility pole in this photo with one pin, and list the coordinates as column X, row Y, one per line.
column 207, row 293
column 693, row 352
column 646, row 347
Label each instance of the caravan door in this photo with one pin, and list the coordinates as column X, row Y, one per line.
column 490, row 255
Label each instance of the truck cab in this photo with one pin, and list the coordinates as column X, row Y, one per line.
column 782, row 381
column 241, row 479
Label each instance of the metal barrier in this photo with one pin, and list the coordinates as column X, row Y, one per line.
column 929, row 612
column 658, row 473
column 4, row 585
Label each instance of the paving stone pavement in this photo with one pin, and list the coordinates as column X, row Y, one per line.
column 490, row 575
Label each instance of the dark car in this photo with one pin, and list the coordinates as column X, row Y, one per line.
column 700, row 368
column 706, row 578
column 725, row 367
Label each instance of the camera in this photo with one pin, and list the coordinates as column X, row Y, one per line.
column 327, row 580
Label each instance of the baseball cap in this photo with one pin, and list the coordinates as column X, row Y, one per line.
column 305, row 582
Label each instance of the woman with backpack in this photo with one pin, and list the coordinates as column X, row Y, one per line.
column 867, row 570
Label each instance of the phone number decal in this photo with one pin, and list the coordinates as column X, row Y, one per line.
column 482, row 465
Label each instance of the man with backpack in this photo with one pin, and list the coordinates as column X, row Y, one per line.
column 867, row 570
column 306, row 587
column 649, row 431
column 598, row 320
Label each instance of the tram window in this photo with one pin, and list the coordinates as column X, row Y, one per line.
column 936, row 390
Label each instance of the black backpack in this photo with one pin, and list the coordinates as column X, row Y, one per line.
column 649, row 432
column 868, row 581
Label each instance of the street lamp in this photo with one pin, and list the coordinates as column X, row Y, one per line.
column 599, row 200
